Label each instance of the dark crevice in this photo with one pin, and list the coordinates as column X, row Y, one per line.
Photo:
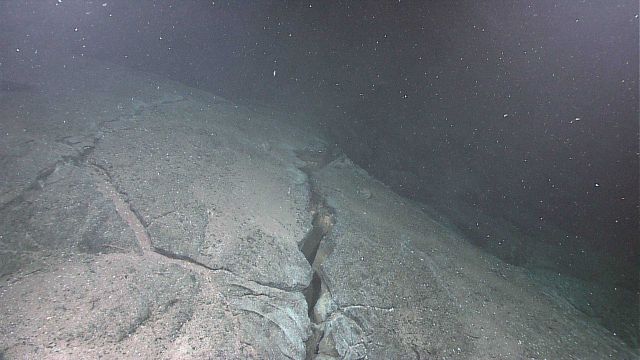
column 188, row 259
column 312, row 292
column 172, row 255
column 138, row 215
column 322, row 224
column 41, row 178
column 82, row 152
column 311, row 242
column 152, row 219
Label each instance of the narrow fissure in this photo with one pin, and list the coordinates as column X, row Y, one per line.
column 322, row 224
column 41, row 178
column 172, row 255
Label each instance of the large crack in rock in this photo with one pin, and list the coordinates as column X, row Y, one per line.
column 323, row 219
column 117, row 278
column 118, row 179
column 108, row 184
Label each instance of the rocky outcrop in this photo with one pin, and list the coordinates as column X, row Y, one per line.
column 143, row 219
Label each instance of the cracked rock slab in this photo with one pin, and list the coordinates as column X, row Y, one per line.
column 207, row 196
column 67, row 214
column 151, row 220
column 128, row 306
column 398, row 284
column 206, row 181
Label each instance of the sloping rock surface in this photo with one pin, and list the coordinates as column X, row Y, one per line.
column 140, row 218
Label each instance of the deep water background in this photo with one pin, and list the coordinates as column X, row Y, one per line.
column 525, row 111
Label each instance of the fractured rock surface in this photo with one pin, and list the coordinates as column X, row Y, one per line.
column 399, row 285
column 140, row 218
column 157, row 230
